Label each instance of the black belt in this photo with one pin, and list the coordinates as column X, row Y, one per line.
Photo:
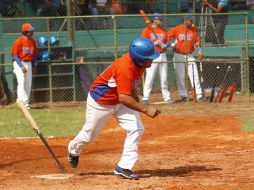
column 26, row 60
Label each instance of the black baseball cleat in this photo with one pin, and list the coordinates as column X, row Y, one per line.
column 170, row 101
column 182, row 99
column 125, row 173
column 73, row 160
column 202, row 99
column 145, row 102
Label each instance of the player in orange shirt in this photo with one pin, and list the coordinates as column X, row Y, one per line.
column 158, row 35
column 113, row 94
column 186, row 39
column 23, row 54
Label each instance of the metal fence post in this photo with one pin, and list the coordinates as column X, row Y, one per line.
column 247, row 56
column 49, row 69
column 115, row 37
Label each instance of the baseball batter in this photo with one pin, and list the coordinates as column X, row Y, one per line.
column 187, row 38
column 113, row 94
column 159, row 36
column 23, row 55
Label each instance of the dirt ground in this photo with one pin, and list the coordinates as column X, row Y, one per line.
column 190, row 146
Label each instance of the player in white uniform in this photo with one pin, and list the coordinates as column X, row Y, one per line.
column 113, row 94
column 158, row 35
column 23, row 54
column 187, row 39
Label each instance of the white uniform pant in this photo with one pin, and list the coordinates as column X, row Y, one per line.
column 97, row 115
column 159, row 63
column 180, row 60
column 24, row 81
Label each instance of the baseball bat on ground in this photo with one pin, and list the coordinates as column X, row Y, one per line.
column 33, row 124
column 214, row 83
column 194, row 94
column 231, row 89
column 223, row 87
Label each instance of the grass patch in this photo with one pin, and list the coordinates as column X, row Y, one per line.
column 248, row 123
column 52, row 122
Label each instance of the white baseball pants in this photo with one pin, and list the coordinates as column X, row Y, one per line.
column 97, row 115
column 180, row 60
column 24, row 82
column 159, row 63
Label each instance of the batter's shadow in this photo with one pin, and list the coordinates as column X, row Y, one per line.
column 177, row 171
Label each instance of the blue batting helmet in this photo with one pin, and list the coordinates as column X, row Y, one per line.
column 44, row 56
column 54, row 40
column 42, row 41
column 156, row 15
column 142, row 49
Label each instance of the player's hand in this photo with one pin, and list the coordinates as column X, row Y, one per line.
column 160, row 43
column 152, row 112
column 24, row 70
column 163, row 46
column 206, row 3
column 200, row 54
column 34, row 71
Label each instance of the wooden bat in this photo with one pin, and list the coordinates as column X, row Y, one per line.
column 222, row 89
column 147, row 21
column 194, row 94
column 33, row 124
column 231, row 89
column 214, row 84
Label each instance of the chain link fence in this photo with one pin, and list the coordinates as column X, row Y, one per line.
column 86, row 45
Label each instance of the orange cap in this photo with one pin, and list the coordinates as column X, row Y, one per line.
column 27, row 27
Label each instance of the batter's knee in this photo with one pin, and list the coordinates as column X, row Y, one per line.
column 88, row 136
column 139, row 131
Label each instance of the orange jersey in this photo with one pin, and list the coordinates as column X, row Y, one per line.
column 161, row 33
column 122, row 76
column 24, row 48
column 186, row 38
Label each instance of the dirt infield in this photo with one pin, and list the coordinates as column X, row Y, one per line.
column 177, row 152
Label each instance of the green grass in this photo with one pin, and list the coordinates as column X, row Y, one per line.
column 248, row 123
column 52, row 122
column 60, row 122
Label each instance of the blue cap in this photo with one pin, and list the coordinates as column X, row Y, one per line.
column 156, row 15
